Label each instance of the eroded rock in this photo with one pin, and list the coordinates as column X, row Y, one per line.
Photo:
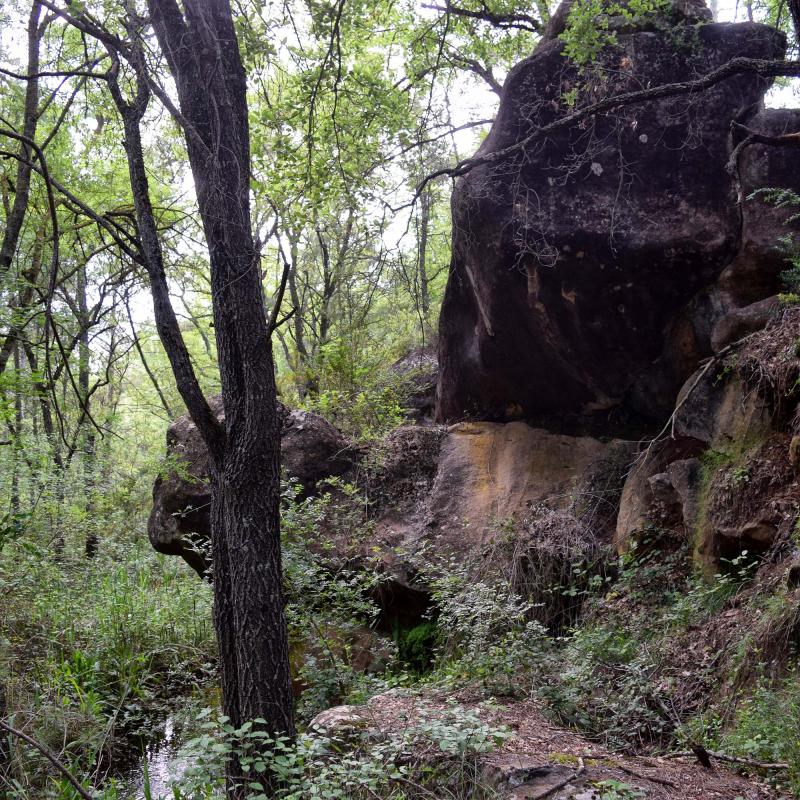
column 503, row 500
column 506, row 500
column 583, row 286
column 180, row 519
column 725, row 476
column 741, row 321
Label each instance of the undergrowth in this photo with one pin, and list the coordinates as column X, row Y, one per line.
column 94, row 649
column 92, row 652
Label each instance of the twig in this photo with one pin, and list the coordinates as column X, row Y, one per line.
column 643, row 777
column 50, row 757
column 709, row 362
column 750, row 762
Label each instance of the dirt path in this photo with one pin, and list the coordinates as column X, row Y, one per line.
column 542, row 760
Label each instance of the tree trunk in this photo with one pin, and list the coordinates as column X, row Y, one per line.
column 794, row 10
column 306, row 383
column 91, row 540
column 15, row 219
column 422, row 256
column 202, row 51
column 17, row 435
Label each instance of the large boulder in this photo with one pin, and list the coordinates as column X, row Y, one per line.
column 312, row 450
column 754, row 272
column 492, row 473
column 503, row 501
column 583, row 288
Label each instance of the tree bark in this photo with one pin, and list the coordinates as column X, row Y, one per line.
column 202, row 52
column 22, row 304
column 17, row 436
column 91, row 540
column 24, row 170
column 422, row 256
column 794, row 10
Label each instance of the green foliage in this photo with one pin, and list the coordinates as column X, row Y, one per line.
column 415, row 646
column 603, row 684
column 357, row 393
column 611, row 677
column 369, row 766
column 789, row 201
column 329, row 610
column 766, row 726
column 486, row 631
column 616, row 790
column 589, row 27
column 95, row 650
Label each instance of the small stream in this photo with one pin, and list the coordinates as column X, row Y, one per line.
column 159, row 765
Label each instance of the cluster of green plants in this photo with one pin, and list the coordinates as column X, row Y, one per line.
column 93, row 654
column 766, row 726
column 610, row 676
column 589, row 29
column 134, row 630
column 358, row 394
column 437, row 749
column 486, row 632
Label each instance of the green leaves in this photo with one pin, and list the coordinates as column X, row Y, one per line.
column 589, row 25
column 318, row 766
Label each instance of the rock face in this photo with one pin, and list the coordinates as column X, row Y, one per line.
column 180, row 520
column 507, row 499
column 590, row 266
column 490, row 473
column 725, row 480
column 502, row 500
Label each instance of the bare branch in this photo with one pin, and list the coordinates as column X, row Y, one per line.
column 523, row 22
column 50, row 756
column 736, row 66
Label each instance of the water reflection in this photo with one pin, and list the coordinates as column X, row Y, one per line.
column 159, row 765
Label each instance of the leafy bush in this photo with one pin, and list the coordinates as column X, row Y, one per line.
column 589, row 27
column 485, row 629
column 766, row 726
column 602, row 683
column 436, row 749
column 357, row 393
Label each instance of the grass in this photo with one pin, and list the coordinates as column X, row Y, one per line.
column 766, row 726
column 93, row 651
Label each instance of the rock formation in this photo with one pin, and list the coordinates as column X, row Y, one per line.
column 726, row 478
column 180, row 520
column 432, row 493
column 595, row 271
column 591, row 265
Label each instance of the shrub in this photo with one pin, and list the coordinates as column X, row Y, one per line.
column 766, row 726
column 436, row 749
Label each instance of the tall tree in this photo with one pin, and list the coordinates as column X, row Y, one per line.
column 202, row 51
column 16, row 216
column 200, row 46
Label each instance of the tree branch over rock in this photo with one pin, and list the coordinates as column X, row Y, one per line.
column 519, row 21
column 765, row 68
